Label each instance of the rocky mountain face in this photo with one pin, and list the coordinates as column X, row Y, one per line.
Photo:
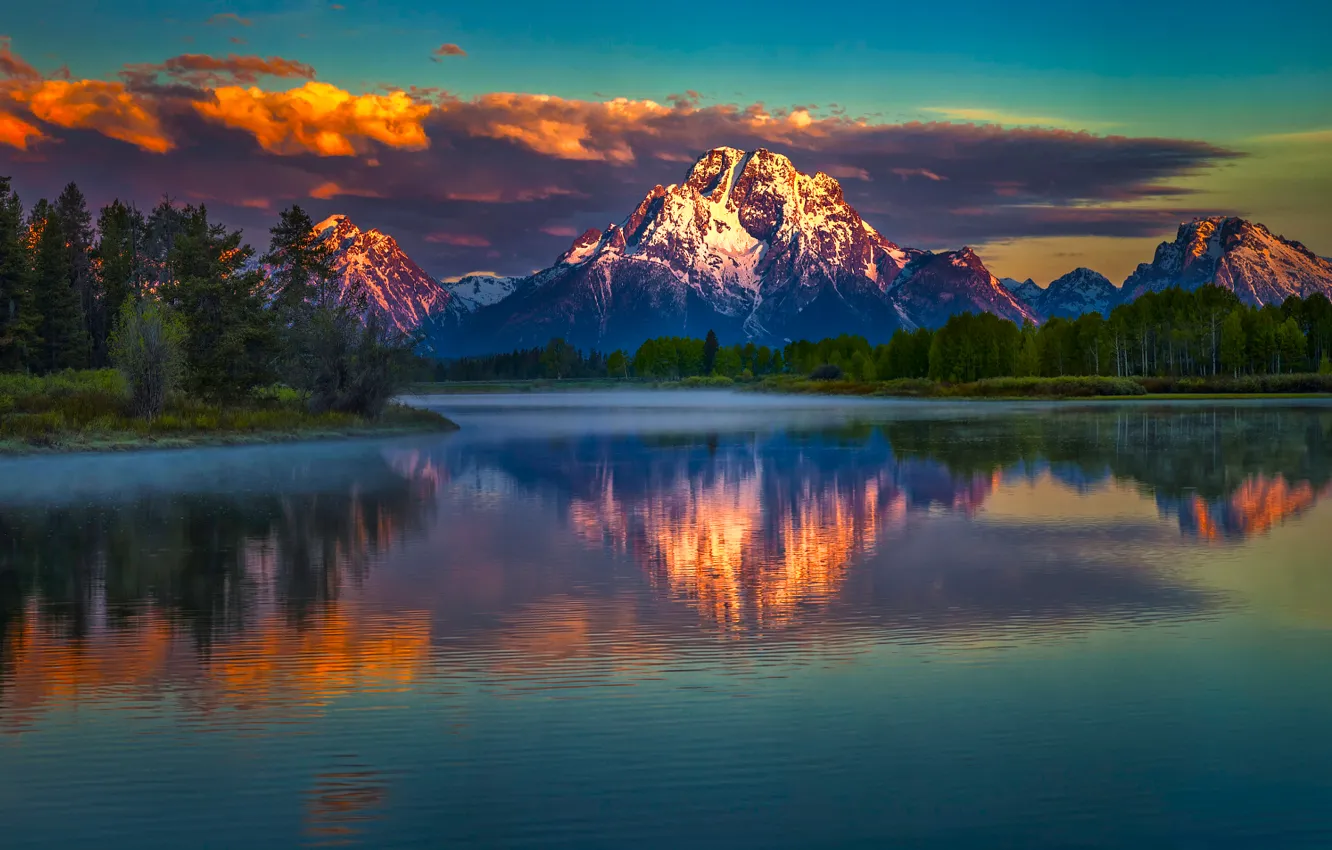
column 1260, row 267
column 395, row 286
column 1080, row 291
column 933, row 287
column 746, row 245
column 754, row 249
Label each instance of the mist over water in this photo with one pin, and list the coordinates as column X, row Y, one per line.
column 664, row 619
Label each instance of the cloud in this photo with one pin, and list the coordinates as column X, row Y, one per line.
column 224, row 18
column 208, row 71
column 16, row 132
column 319, row 118
column 106, row 107
column 461, row 240
column 14, row 66
column 448, row 50
column 904, row 173
column 998, row 116
column 1302, row 137
column 329, row 189
column 487, row 181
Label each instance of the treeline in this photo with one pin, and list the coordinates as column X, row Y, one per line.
column 177, row 301
column 1202, row 333
column 557, row 360
column 671, row 357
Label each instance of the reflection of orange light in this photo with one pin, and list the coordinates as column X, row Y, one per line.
column 708, row 544
column 275, row 664
column 340, row 800
column 1255, row 507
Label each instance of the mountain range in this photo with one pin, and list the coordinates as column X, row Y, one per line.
column 754, row 249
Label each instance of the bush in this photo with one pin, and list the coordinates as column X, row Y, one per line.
column 826, row 372
column 707, row 381
column 148, row 348
column 347, row 366
column 1067, row 387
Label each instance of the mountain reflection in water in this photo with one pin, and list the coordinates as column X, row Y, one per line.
column 243, row 590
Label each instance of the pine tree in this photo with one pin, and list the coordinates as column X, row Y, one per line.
column 63, row 343
column 76, row 227
column 230, row 345
column 710, row 347
column 17, row 322
column 300, row 265
column 120, row 263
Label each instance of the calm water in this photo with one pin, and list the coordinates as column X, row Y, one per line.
column 681, row 620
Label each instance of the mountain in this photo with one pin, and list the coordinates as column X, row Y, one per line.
column 1260, row 267
column 1080, row 291
column 1024, row 290
column 395, row 286
column 746, row 245
column 472, row 292
column 933, row 287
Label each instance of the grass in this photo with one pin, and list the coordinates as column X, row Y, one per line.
column 72, row 411
column 995, row 388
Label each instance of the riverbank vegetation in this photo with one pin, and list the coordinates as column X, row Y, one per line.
column 169, row 326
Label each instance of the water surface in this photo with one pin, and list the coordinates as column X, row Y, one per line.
column 681, row 620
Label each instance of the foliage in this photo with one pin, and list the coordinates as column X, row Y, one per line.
column 826, row 372
column 93, row 408
column 62, row 341
column 707, row 381
column 147, row 348
column 231, row 340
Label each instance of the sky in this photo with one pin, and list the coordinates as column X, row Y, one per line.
column 486, row 136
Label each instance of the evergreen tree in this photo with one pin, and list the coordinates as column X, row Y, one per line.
column 76, row 227
column 17, row 321
column 300, row 265
column 120, row 257
column 230, row 342
column 60, row 330
column 710, row 348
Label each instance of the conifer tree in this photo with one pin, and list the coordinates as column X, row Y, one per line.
column 76, row 227
column 63, row 341
column 17, row 322
column 120, row 258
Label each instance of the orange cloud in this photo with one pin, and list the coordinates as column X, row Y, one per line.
column 105, row 107
column 459, row 240
column 319, row 118
column 449, row 50
column 567, row 129
column 330, row 190
column 16, row 132
column 560, row 230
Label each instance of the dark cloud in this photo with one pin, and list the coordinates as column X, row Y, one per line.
column 209, row 71
column 12, row 65
column 500, row 181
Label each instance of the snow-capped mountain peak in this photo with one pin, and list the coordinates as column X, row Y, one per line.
column 373, row 262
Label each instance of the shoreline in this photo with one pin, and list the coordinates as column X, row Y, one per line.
column 417, row 421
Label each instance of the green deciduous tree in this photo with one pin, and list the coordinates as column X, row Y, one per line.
column 148, row 348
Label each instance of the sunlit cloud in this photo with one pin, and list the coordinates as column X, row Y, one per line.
column 106, row 107
column 329, row 190
column 319, row 118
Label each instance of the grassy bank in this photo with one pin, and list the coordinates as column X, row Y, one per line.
column 88, row 410
column 1277, row 386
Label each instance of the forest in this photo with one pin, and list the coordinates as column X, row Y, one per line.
column 170, row 322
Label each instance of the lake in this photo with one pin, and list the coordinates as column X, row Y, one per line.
column 681, row 619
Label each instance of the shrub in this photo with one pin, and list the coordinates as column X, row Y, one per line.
column 707, row 381
column 347, row 366
column 827, row 372
column 148, row 348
